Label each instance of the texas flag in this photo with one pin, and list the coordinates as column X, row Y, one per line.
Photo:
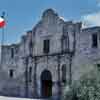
column 2, row 22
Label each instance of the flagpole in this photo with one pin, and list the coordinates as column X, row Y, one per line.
column 3, row 16
column 2, row 41
column 2, row 38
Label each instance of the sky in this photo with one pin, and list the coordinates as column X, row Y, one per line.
column 22, row 15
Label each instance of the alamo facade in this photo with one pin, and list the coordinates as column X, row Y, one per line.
column 51, row 55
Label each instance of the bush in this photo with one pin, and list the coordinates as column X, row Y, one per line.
column 87, row 88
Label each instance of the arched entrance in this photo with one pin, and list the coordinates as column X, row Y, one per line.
column 46, row 84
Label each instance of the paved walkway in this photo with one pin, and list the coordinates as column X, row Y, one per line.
column 13, row 98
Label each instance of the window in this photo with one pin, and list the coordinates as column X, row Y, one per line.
column 30, row 47
column 98, row 67
column 64, row 73
column 30, row 74
column 12, row 52
column 64, row 43
column 11, row 73
column 94, row 41
column 46, row 46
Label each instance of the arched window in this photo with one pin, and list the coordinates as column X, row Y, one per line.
column 63, row 73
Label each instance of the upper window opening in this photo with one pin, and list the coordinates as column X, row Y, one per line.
column 98, row 67
column 94, row 41
column 12, row 52
column 64, row 73
column 30, row 74
column 46, row 46
column 11, row 72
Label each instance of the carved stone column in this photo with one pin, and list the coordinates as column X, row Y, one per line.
column 59, row 80
column 35, row 79
column 55, row 91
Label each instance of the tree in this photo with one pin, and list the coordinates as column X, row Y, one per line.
column 87, row 88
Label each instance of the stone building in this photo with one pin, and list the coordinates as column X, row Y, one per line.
column 54, row 53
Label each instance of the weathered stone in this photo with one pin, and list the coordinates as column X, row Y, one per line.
column 77, row 54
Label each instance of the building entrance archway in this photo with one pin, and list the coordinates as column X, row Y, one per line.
column 46, row 84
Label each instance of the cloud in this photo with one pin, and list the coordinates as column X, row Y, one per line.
column 64, row 19
column 92, row 19
column 98, row 3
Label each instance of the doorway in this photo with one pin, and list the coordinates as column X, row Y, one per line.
column 46, row 84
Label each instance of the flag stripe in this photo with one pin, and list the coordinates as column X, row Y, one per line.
column 1, row 19
column 2, row 22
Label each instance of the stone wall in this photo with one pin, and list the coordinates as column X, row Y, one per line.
column 52, row 27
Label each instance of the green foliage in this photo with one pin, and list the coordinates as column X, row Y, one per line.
column 70, row 94
column 87, row 88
